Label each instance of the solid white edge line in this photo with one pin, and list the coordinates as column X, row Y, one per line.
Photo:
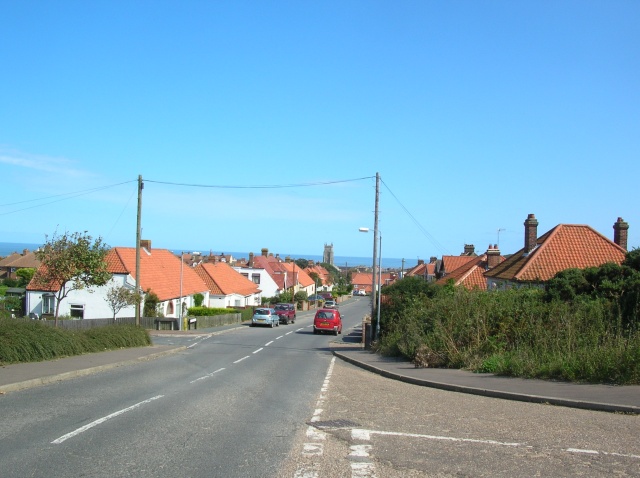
column 57, row 441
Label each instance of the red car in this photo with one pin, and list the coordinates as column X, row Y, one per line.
column 327, row 320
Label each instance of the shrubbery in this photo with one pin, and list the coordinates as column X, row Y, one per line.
column 209, row 311
column 32, row 341
column 573, row 330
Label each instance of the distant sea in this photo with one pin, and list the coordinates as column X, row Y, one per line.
column 7, row 248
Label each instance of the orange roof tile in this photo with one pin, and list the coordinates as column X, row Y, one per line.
column 224, row 280
column 160, row 270
column 563, row 247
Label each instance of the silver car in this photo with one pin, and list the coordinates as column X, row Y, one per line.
column 265, row 316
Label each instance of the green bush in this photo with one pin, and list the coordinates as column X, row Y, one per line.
column 517, row 332
column 209, row 311
column 32, row 341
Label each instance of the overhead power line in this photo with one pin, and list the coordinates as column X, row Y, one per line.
column 426, row 233
column 260, row 186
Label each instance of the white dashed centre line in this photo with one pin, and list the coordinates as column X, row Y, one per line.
column 240, row 360
column 207, row 375
column 279, row 337
column 268, row 343
column 256, row 351
column 102, row 420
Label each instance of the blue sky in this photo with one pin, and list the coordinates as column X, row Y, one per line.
column 475, row 114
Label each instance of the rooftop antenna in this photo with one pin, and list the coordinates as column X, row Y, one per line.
column 499, row 237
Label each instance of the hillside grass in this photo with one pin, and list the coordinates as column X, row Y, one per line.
column 31, row 341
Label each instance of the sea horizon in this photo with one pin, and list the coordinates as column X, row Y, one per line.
column 7, row 248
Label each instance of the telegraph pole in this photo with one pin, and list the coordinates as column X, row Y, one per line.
column 375, row 255
column 138, row 230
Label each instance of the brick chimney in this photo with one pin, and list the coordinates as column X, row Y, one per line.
column 265, row 252
column 420, row 262
column 530, row 233
column 493, row 256
column 432, row 259
column 620, row 229
column 146, row 243
column 469, row 250
column 250, row 259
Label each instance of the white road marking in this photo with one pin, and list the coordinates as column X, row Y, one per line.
column 240, row 360
column 279, row 337
column 596, row 452
column 77, row 432
column 256, row 351
column 362, row 470
column 301, row 328
column 361, row 434
column 360, row 450
column 288, row 333
column 313, row 449
column 315, row 434
column 207, row 375
column 268, row 343
column 306, row 472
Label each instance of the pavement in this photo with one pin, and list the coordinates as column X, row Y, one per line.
column 609, row 398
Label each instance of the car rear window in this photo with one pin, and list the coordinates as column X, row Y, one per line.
column 262, row 311
column 325, row 315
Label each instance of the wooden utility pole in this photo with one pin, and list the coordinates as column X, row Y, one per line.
column 375, row 255
column 138, row 230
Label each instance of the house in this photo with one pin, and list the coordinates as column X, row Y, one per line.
column 424, row 270
column 301, row 279
column 563, row 247
column 259, row 276
column 10, row 264
column 322, row 273
column 451, row 263
column 161, row 272
column 472, row 273
column 361, row 281
column 274, row 266
column 228, row 287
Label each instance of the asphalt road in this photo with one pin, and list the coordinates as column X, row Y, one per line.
column 229, row 405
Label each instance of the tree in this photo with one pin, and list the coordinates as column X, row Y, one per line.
column 120, row 297
column 25, row 275
column 71, row 262
column 302, row 263
column 151, row 302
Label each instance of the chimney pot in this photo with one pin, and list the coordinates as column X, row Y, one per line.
column 530, row 233
column 620, row 233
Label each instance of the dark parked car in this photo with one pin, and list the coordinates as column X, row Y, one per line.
column 287, row 313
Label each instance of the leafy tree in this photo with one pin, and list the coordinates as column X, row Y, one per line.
column 151, row 302
column 72, row 262
column 286, row 297
column 302, row 263
column 301, row 295
column 632, row 259
column 198, row 299
column 25, row 275
column 120, row 297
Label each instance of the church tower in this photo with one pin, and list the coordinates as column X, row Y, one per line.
column 327, row 256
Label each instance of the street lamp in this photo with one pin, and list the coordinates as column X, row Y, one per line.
column 376, row 333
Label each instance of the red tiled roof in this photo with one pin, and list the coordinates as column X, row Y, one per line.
column 160, row 270
column 222, row 279
column 451, row 263
column 563, row 247
column 469, row 275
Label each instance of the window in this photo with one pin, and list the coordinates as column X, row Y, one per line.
column 77, row 311
column 255, row 278
column 48, row 304
column 245, row 274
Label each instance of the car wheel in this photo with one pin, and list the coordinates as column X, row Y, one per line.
column 335, row 332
